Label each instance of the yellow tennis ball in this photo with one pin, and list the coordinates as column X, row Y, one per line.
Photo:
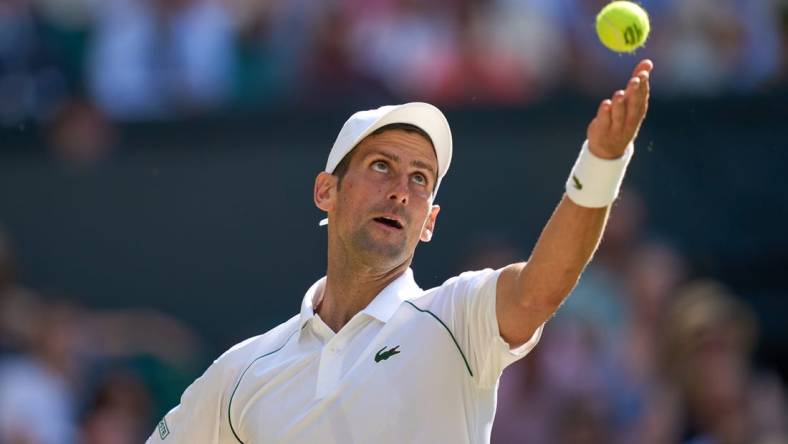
column 622, row 26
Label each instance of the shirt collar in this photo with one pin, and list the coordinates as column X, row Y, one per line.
column 387, row 301
column 381, row 308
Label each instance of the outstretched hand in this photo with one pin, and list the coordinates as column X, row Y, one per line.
column 618, row 119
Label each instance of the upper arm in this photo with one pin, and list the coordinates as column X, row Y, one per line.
column 520, row 312
column 467, row 306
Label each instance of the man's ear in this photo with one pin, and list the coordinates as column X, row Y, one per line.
column 325, row 190
column 429, row 226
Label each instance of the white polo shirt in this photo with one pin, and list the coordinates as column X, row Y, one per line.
column 414, row 366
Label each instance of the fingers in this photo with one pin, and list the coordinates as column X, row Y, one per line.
column 644, row 65
column 618, row 119
column 635, row 102
column 642, row 72
column 599, row 128
column 645, row 77
column 603, row 115
column 618, row 112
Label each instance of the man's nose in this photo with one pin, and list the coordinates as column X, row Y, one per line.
column 399, row 190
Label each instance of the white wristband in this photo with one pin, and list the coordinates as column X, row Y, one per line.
column 594, row 182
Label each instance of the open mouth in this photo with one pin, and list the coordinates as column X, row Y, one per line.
column 390, row 222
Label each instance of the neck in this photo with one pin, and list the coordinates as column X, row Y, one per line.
column 351, row 286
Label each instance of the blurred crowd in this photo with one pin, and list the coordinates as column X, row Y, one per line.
column 154, row 59
column 642, row 352
column 73, row 374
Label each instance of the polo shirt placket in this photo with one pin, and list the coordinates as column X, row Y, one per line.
column 334, row 354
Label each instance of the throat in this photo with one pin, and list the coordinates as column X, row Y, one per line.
column 346, row 293
column 337, row 312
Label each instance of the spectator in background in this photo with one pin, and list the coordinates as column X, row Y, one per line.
column 332, row 75
column 783, row 74
column 79, row 134
column 654, row 273
column 531, row 34
column 562, row 394
column 264, row 71
column 479, row 71
column 120, row 411
column 32, row 80
column 44, row 382
column 709, row 337
column 443, row 52
column 65, row 30
column 704, row 46
column 142, row 59
column 408, row 44
column 7, row 262
column 50, row 350
column 19, row 306
column 647, row 408
column 38, row 390
column 161, row 58
column 711, row 46
column 762, row 55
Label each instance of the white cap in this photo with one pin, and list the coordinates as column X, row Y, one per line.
column 423, row 115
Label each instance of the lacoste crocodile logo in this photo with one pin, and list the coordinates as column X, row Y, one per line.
column 577, row 184
column 384, row 354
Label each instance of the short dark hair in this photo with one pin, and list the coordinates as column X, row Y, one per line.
column 341, row 168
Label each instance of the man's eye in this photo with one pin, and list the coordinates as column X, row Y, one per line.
column 380, row 166
column 420, row 179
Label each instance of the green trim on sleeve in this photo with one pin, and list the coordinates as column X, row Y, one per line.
column 456, row 344
column 230, row 404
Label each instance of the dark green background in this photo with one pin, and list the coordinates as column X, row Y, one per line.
column 212, row 220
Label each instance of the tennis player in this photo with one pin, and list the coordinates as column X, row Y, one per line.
column 373, row 358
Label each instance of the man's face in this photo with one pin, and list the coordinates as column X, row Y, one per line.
column 383, row 206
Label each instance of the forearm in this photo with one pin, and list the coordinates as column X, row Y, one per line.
column 564, row 248
column 530, row 292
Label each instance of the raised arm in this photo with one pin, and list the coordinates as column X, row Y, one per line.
column 528, row 293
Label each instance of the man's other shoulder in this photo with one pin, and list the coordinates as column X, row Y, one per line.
column 470, row 277
column 465, row 281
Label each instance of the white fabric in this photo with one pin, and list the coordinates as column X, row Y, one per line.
column 594, row 182
column 302, row 383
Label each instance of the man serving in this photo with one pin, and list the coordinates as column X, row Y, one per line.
column 374, row 358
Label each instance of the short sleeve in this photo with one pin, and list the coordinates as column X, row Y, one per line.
column 200, row 416
column 466, row 303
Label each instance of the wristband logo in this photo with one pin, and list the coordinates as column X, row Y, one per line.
column 578, row 186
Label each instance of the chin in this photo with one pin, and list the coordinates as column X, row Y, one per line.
column 390, row 251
